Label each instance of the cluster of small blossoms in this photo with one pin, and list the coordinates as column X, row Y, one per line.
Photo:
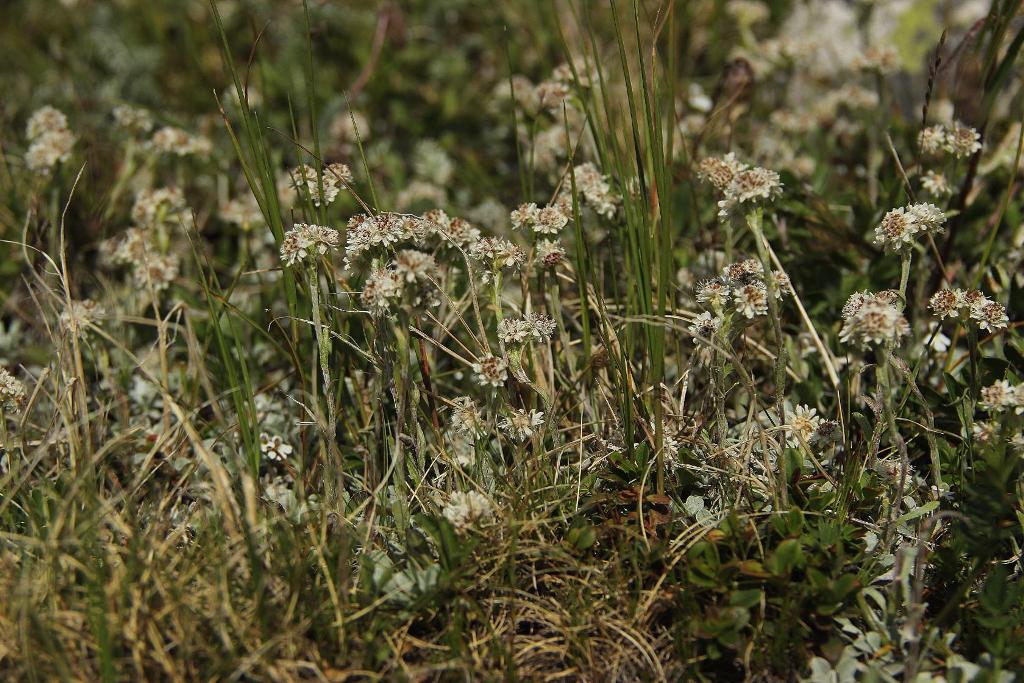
column 274, row 447
column 497, row 254
column 454, row 230
column 518, row 331
column 410, row 272
column 987, row 432
column 158, row 206
column 420, row 192
column 367, row 234
column 596, row 190
column 243, row 212
column 334, row 177
column 547, row 221
column 1003, row 396
column 50, row 140
column 156, row 271
column 873, row 318
column 900, row 227
column 719, row 171
column 12, row 391
column 550, row 253
column 959, row 140
column 804, row 425
column 465, row 510
column 467, row 418
column 549, row 94
column 704, row 327
column 969, row 304
column 76, row 318
column 936, row 184
column 882, row 59
column 306, row 242
column 741, row 287
column 171, row 140
column 415, row 266
column 490, row 370
column 382, row 289
column 133, row 119
column 520, row 425
column 739, row 183
column 150, row 268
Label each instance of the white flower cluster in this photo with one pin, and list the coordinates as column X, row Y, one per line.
column 243, row 212
column 333, row 176
column 969, row 304
column 520, row 425
column 958, row 140
column 547, row 221
column 160, row 206
column 518, row 331
column 76, row 318
column 873, row 318
column 369, row 234
column 739, row 183
column 936, row 184
column 465, row 510
column 497, row 254
column 12, row 391
column 274, row 447
column 411, row 271
column 900, row 227
column 596, row 190
column 804, row 425
column 50, row 141
column 467, row 418
column 151, row 269
column 453, row 230
column 490, row 370
column 549, row 94
column 171, row 140
column 133, row 119
column 741, row 288
column 306, row 242
column 1003, row 396
column 550, row 253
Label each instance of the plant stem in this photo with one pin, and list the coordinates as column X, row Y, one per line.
column 754, row 222
column 333, row 480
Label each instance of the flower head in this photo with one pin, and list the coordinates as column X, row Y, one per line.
column 521, row 424
column 962, row 141
column 333, row 177
column 872, row 319
column 1002, row 396
column 900, row 227
column 467, row 418
column 465, row 510
column 720, row 171
column 12, row 391
column 274, row 447
column 305, row 242
column 704, row 326
column 490, row 370
column 751, row 300
column 382, row 288
column 550, row 253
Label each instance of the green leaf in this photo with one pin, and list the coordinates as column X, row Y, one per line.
column 786, row 557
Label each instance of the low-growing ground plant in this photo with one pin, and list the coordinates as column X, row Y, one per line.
column 461, row 340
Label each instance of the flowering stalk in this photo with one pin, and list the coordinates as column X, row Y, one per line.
column 905, row 274
column 885, row 389
column 755, row 220
column 332, row 479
